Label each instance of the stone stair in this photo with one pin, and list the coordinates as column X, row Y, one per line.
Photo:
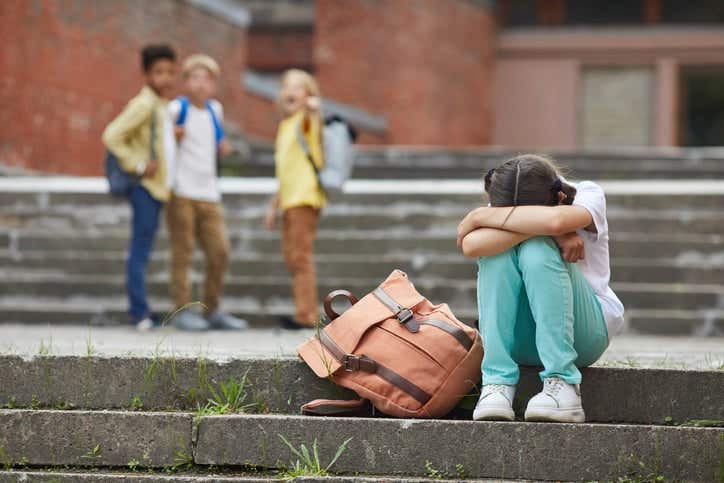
column 62, row 249
column 404, row 162
column 94, row 418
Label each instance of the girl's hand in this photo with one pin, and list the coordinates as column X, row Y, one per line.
column 470, row 223
column 270, row 219
column 571, row 245
column 313, row 103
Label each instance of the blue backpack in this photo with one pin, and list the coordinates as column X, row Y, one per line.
column 181, row 119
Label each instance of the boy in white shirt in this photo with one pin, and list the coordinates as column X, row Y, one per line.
column 194, row 211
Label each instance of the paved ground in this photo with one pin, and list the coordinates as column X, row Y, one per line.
column 28, row 340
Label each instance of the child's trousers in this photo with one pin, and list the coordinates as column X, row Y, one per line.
column 190, row 220
column 299, row 229
column 145, row 211
column 535, row 309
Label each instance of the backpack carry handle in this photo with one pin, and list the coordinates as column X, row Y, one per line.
column 333, row 295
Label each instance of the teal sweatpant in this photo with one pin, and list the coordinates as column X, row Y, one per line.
column 537, row 310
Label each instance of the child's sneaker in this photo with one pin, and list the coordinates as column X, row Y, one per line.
column 221, row 321
column 558, row 402
column 147, row 324
column 495, row 403
column 189, row 320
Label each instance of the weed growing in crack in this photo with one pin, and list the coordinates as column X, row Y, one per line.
column 94, row 454
column 308, row 462
column 184, row 459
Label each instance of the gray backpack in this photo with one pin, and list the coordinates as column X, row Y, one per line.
column 337, row 139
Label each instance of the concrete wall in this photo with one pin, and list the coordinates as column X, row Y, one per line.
column 426, row 65
column 535, row 103
column 544, row 98
column 68, row 67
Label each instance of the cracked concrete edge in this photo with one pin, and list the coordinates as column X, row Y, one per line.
column 501, row 450
column 54, row 476
column 95, row 438
column 282, row 385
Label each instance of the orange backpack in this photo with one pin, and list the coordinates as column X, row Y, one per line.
column 410, row 358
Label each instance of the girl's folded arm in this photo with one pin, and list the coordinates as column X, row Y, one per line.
column 532, row 220
column 486, row 242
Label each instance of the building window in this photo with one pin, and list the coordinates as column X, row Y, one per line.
column 545, row 13
column 616, row 106
column 609, row 12
column 687, row 11
column 519, row 13
column 701, row 120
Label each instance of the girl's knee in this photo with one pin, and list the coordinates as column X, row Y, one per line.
column 537, row 249
column 499, row 261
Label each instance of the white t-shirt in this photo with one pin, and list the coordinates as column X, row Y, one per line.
column 169, row 147
column 595, row 266
column 195, row 173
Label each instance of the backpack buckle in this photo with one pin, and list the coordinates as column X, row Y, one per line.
column 404, row 315
column 350, row 362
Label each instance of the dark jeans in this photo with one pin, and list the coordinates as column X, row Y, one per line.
column 146, row 211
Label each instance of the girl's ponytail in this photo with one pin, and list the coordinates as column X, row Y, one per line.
column 560, row 186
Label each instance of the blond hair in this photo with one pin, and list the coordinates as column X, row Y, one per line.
column 310, row 83
column 201, row 60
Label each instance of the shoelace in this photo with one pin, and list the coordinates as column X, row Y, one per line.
column 552, row 386
column 491, row 388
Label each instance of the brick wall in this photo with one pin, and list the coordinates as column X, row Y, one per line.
column 276, row 49
column 68, row 67
column 425, row 64
column 261, row 117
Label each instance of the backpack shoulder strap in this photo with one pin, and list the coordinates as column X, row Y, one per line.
column 218, row 128
column 338, row 407
column 152, row 137
column 181, row 119
column 305, row 147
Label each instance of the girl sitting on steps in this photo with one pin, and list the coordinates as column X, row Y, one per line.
column 543, row 293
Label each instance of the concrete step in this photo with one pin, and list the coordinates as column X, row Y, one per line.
column 622, row 245
column 696, row 270
column 377, row 446
column 108, row 311
column 95, row 438
column 90, row 194
column 203, row 474
column 417, row 216
column 508, row 450
column 628, row 164
column 282, row 385
column 265, row 290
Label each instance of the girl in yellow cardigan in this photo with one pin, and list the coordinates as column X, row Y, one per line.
column 299, row 197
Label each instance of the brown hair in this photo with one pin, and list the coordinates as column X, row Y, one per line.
column 528, row 179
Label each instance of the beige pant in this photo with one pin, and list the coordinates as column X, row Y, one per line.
column 299, row 229
column 188, row 221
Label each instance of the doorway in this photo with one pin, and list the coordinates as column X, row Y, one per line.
column 701, row 118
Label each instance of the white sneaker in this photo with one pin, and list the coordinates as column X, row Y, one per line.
column 147, row 324
column 495, row 403
column 558, row 402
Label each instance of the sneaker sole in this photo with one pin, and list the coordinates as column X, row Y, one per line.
column 495, row 414
column 555, row 415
